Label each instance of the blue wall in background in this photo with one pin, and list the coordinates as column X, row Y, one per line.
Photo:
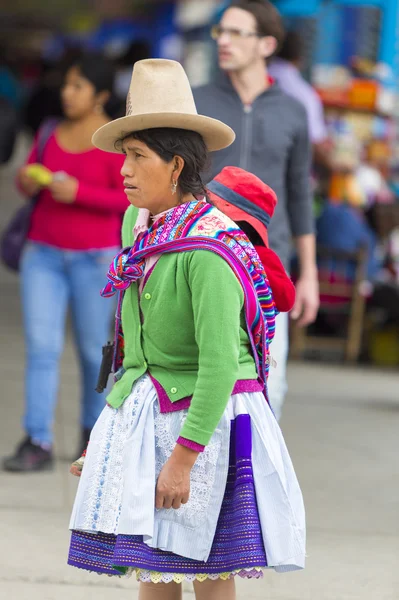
column 340, row 21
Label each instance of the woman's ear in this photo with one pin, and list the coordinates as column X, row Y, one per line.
column 178, row 165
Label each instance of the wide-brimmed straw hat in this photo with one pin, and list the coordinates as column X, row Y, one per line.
column 160, row 96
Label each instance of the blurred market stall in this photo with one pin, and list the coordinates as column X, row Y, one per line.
column 352, row 61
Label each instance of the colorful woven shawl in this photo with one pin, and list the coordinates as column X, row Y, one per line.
column 200, row 226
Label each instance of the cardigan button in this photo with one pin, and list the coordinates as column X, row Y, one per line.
column 173, row 390
column 147, row 296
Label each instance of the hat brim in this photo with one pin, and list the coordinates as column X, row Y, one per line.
column 237, row 214
column 216, row 134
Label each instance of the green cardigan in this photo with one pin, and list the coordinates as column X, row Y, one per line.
column 192, row 336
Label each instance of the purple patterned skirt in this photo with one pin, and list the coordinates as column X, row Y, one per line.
column 237, row 546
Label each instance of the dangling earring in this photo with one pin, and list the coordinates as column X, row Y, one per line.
column 174, row 187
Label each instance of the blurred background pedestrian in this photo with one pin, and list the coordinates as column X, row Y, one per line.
column 74, row 234
column 273, row 143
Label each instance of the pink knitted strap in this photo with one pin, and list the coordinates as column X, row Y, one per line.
column 190, row 444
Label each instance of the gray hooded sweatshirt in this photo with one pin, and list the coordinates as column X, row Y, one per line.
column 273, row 143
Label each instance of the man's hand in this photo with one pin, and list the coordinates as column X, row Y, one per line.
column 173, row 485
column 307, row 301
column 64, row 190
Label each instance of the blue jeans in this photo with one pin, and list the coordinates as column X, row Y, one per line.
column 51, row 279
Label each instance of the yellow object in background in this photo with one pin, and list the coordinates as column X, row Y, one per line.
column 40, row 174
column 384, row 347
column 363, row 93
column 345, row 188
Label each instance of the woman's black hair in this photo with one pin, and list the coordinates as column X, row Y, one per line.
column 101, row 74
column 98, row 70
column 168, row 142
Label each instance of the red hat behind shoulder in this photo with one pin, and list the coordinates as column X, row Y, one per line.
column 249, row 186
column 244, row 197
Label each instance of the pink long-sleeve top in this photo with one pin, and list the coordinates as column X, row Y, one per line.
column 93, row 220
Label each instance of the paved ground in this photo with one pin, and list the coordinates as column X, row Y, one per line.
column 341, row 426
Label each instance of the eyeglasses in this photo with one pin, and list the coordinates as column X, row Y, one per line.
column 234, row 34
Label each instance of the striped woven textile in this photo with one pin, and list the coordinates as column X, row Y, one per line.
column 200, row 226
column 237, row 547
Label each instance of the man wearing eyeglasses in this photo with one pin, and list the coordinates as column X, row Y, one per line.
column 273, row 143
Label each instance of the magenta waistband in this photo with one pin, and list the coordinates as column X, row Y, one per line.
column 247, row 385
column 166, row 405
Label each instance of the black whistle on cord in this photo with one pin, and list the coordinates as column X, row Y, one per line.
column 106, row 367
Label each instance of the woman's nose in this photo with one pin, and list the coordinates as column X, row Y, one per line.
column 127, row 168
column 65, row 94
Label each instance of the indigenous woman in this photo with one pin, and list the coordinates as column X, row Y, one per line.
column 187, row 476
column 74, row 233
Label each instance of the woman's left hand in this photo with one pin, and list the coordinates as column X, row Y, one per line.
column 173, row 485
column 74, row 470
column 64, row 190
column 76, row 467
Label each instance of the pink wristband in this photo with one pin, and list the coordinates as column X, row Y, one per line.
column 190, row 444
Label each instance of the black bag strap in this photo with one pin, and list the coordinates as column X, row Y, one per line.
column 45, row 132
column 43, row 136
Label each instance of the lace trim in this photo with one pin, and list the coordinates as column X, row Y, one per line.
column 203, row 473
column 102, row 502
column 145, row 576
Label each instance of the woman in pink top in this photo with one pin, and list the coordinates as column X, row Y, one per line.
column 74, row 234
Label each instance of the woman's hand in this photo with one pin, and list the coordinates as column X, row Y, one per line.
column 27, row 183
column 74, row 470
column 77, row 466
column 173, row 485
column 64, row 190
